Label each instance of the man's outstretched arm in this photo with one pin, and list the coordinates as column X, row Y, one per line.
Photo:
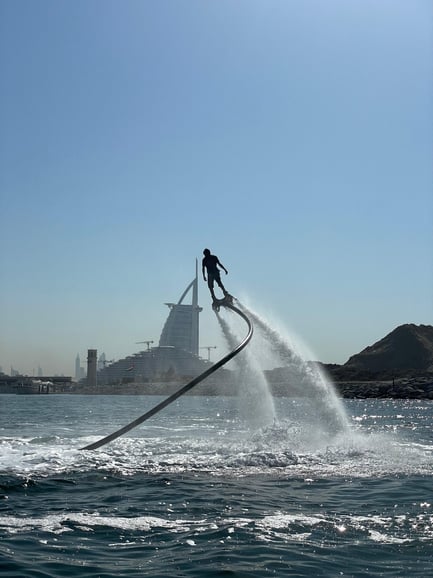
column 222, row 266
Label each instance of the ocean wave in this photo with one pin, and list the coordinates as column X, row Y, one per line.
column 276, row 527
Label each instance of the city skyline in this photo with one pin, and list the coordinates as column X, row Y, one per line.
column 180, row 331
column 292, row 139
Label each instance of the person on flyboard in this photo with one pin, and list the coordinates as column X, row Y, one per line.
column 211, row 263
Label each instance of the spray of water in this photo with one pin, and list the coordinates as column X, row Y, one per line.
column 317, row 417
column 324, row 413
column 256, row 402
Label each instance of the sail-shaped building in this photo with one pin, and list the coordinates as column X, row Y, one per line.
column 177, row 354
column 182, row 326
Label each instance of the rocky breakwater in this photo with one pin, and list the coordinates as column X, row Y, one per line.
column 401, row 388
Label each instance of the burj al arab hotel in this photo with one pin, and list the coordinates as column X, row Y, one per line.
column 177, row 353
column 182, row 326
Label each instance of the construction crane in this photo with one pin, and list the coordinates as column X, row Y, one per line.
column 209, row 347
column 146, row 342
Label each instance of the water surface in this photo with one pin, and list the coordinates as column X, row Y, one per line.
column 200, row 490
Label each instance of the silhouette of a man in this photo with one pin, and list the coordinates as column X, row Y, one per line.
column 211, row 263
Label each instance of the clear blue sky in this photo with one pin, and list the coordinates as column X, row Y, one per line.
column 291, row 137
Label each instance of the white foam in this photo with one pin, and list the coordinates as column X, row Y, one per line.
column 65, row 522
column 277, row 526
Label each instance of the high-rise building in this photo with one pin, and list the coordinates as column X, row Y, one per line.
column 182, row 326
column 102, row 361
column 77, row 368
column 177, row 352
column 92, row 355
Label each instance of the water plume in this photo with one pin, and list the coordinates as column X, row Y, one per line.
column 256, row 402
column 296, row 377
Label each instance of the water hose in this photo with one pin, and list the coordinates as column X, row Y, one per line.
column 228, row 303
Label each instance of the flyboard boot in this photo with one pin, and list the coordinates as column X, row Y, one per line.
column 226, row 300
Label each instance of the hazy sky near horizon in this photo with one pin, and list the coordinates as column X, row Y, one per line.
column 291, row 137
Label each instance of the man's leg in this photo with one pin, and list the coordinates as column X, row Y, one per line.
column 210, row 285
column 220, row 283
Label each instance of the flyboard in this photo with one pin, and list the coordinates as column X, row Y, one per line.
column 227, row 302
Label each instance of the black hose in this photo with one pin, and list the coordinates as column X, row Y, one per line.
column 183, row 389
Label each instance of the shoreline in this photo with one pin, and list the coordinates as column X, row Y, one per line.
column 402, row 388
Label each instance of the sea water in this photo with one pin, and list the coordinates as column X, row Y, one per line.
column 199, row 490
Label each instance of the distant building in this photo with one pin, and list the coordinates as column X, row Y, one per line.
column 77, row 368
column 80, row 372
column 102, row 361
column 92, row 355
column 177, row 353
column 181, row 329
